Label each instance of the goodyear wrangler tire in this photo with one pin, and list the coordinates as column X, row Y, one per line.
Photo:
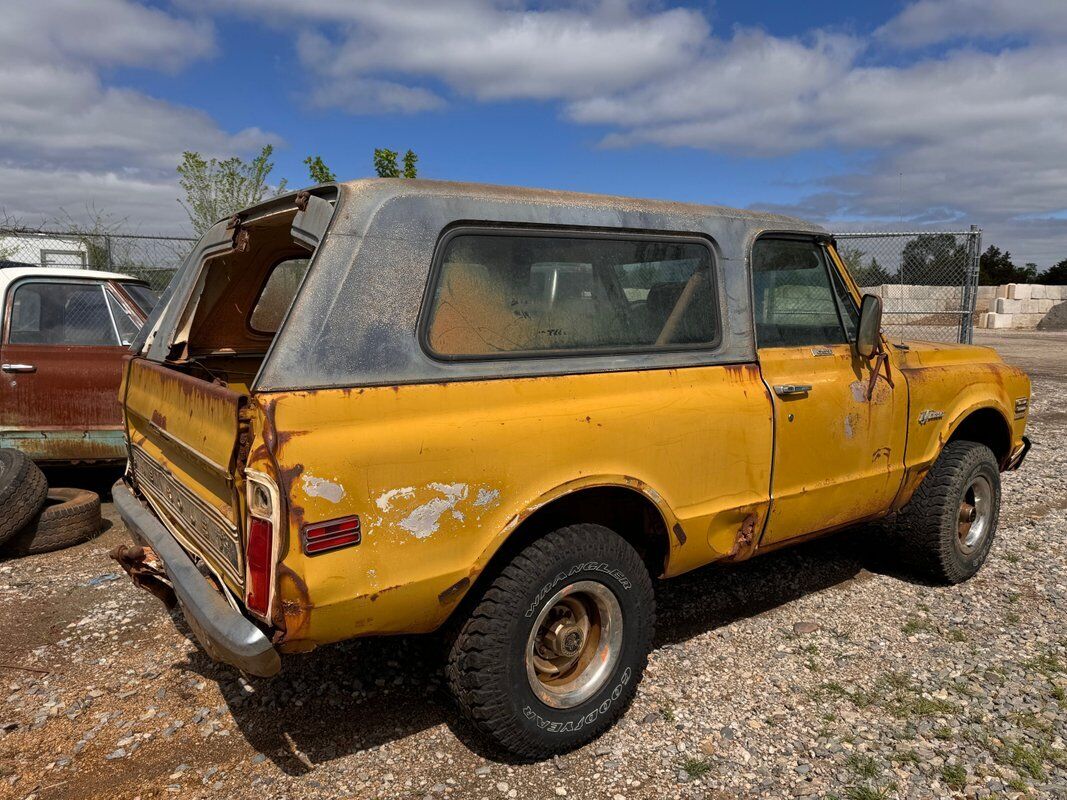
column 947, row 527
column 22, row 492
column 553, row 651
column 69, row 517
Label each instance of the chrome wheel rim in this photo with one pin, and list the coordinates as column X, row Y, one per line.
column 574, row 644
column 975, row 514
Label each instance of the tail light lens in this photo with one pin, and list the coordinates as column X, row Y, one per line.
column 258, row 555
column 263, row 508
column 331, row 535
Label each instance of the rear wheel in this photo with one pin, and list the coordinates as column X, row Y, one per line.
column 553, row 651
column 948, row 526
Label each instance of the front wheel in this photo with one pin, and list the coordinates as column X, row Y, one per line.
column 552, row 654
column 948, row 526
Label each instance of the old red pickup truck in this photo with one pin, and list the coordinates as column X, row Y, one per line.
column 63, row 335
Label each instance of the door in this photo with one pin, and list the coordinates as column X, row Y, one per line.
column 60, row 365
column 838, row 456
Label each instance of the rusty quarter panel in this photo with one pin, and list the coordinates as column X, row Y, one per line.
column 440, row 474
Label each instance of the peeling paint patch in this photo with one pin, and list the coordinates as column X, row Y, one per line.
column 320, row 487
column 385, row 500
column 850, row 425
column 426, row 519
column 859, row 391
column 486, row 497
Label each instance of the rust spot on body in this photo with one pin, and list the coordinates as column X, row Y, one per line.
column 159, row 420
column 745, row 536
column 453, row 592
column 293, row 611
column 679, row 533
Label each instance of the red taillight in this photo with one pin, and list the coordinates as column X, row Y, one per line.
column 322, row 536
column 258, row 556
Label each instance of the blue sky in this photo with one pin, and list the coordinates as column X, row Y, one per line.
column 945, row 112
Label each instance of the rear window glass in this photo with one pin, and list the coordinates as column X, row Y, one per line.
column 145, row 298
column 277, row 295
column 528, row 294
column 61, row 314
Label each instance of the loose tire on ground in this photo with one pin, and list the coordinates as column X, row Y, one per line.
column 69, row 517
column 520, row 666
column 947, row 528
column 22, row 492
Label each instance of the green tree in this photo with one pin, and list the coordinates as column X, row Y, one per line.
column 871, row 274
column 216, row 189
column 318, row 171
column 410, row 159
column 1055, row 275
column 386, row 166
column 934, row 260
column 995, row 267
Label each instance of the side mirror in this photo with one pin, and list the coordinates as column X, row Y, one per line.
column 868, row 340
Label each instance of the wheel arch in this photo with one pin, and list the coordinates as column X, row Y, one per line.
column 985, row 425
column 626, row 505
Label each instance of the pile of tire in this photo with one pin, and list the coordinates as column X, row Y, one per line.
column 35, row 518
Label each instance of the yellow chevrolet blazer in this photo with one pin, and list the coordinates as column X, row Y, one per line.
column 399, row 406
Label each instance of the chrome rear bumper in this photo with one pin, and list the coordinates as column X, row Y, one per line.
column 226, row 634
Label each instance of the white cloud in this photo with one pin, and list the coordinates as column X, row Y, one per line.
column 68, row 138
column 110, row 32
column 493, row 50
column 932, row 21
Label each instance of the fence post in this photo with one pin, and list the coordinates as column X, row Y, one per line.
column 970, row 285
column 107, row 250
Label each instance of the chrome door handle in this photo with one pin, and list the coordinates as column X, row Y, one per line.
column 18, row 367
column 789, row 389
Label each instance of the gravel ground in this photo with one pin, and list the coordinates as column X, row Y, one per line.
column 813, row 672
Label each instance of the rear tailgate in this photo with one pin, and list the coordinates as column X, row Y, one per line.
column 184, row 435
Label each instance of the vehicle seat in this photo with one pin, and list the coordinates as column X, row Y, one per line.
column 692, row 327
column 85, row 320
column 477, row 314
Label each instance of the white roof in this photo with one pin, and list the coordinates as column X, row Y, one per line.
column 9, row 275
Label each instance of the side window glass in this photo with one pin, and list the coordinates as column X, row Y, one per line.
column 62, row 314
column 794, row 302
column 277, row 295
column 526, row 294
column 126, row 325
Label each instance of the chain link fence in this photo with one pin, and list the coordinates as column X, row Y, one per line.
column 151, row 258
column 928, row 281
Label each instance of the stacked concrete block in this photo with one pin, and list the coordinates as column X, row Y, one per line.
column 1019, row 291
column 1018, row 305
column 1012, row 305
column 892, row 290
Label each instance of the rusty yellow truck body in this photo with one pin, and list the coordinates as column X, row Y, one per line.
column 377, row 407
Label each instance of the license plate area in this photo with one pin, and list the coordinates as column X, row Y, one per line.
column 195, row 524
